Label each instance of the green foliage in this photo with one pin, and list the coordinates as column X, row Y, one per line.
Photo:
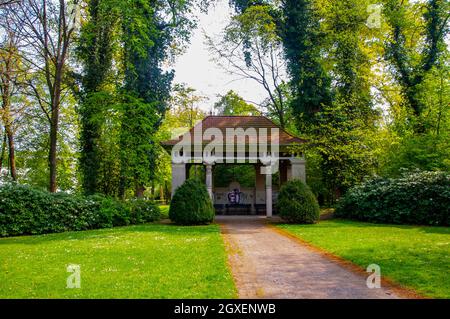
column 232, row 104
column 301, row 35
column 414, row 198
column 111, row 212
column 143, row 211
column 184, row 110
column 25, row 210
column 241, row 5
column 191, row 204
column 428, row 152
column 297, row 204
column 138, row 151
column 33, row 144
column 412, row 56
column 125, row 90
column 341, row 147
column 225, row 174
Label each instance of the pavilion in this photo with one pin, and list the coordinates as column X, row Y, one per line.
column 246, row 140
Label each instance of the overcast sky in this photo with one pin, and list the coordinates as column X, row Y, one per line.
column 196, row 69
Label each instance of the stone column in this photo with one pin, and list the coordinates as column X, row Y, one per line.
column 178, row 175
column 260, row 186
column 269, row 192
column 209, row 179
column 298, row 169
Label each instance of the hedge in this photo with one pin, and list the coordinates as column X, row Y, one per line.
column 421, row 198
column 28, row 211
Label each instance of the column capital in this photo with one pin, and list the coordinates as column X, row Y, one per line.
column 209, row 162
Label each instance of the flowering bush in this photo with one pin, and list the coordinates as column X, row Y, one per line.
column 26, row 210
column 414, row 198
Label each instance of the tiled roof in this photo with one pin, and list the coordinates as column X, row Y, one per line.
column 244, row 122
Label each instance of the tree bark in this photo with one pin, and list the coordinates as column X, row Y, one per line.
column 7, row 120
column 54, row 138
column 3, row 151
column 161, row 192
column 12, row 155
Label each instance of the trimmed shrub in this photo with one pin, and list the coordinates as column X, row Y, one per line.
column 27, row 211
column 191, row 204
column 297, row 204
column 421, row 198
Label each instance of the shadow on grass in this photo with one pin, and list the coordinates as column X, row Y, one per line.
column 167, row 229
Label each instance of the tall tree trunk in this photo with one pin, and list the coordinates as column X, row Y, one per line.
column 161, row 192
column 3, row 151
column 12, row 155
column 8, row 127
column 52, row 156
column 54, row 134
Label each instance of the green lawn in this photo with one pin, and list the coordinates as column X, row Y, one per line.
column 148, row 261
column 415, row 256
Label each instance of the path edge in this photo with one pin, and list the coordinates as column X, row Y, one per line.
column 228, row 245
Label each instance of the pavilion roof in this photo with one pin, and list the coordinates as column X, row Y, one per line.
column 222, row 122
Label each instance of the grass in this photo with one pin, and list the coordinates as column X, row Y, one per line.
column 164, row 211
column 417, row 257
column 147, row 261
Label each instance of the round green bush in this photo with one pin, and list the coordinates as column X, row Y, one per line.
column 297, row 203
column 191, row 204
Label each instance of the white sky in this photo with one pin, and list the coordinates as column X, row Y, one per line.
column 196, row 69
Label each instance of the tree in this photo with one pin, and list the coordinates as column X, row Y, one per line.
column 149, row 31
column 182, row 115
column 413, row 56
column 251, row 49
column 3, row 150
column 9, row 72
column 45, row 30
column 302, row 41
column 96, row 48
column 232, row 104
column 183, row 106
column 241, row 5
column 33, row 144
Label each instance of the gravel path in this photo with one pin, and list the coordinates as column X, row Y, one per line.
column 267, row 264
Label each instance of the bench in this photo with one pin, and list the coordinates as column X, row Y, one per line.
column 238, row 209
